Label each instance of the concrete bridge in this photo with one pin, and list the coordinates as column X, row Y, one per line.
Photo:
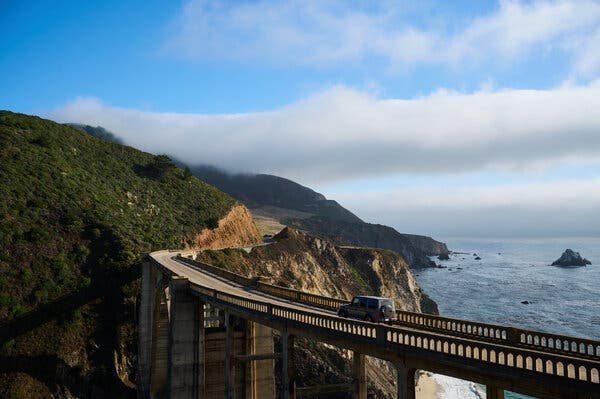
column 206, row 332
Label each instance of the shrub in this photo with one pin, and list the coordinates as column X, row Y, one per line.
column 26, row 276
column 37, row 234
column 160, row 165
column 43, row 140
column 187, row 173
column 5, row 300
column 212, row 223
column 41, row 296
column 80, row 253
column 60, row 266
column 17, row 310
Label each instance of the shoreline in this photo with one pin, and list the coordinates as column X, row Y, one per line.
column 427, row 387
column 436, row 386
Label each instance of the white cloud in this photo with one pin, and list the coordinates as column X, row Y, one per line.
column 342, row 134
column 318, row 32
column 557, row 208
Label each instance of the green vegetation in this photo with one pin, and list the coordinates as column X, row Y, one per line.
column 76, row 212
column 98, row 132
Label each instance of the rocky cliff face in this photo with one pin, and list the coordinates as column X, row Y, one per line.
column 427, row 245
column 316, row 265
column 371, row 235
column 312, row 264
column 236, row 229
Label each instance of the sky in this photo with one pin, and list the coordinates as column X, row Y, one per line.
column 466, row 118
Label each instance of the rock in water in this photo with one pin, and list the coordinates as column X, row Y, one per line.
column 571, row 258
column 443, row 257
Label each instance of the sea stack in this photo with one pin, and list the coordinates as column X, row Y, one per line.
column 571, row 258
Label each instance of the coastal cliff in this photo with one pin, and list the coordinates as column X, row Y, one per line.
column 298, row 260
column 275, row 202
column 427, row 245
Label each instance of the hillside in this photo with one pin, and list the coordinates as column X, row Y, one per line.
column 99, row 132
column 275, row 202
column 75, row 214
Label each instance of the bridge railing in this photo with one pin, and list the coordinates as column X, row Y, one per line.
column 516, row 336
column 319, row 301
column 397, row 338
column 217, row 271
column 483, row 331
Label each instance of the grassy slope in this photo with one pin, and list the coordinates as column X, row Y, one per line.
column 75, row 213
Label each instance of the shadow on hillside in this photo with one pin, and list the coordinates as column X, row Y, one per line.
column 47, row 368
column 60, row 308
column 54, row 372
column 43, row 368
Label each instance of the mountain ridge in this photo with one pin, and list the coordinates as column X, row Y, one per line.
column 323, row 218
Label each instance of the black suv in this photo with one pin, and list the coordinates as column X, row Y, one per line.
column 369, row 308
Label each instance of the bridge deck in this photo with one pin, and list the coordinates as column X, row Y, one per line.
column 533, row 371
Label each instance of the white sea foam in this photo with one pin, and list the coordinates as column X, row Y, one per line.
column 453, row 388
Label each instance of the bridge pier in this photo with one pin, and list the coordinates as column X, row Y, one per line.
column 260, row 379
column 288, row 367
column 405, row 381
column 492, row 392
column 229, row 353
column 145, row 325
column 359, row 368
column 186, row 342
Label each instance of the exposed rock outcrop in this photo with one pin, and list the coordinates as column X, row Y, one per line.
column 316, row 265
column 571, row 258
column 236, row 229
column 365, row 235
column 427, row 245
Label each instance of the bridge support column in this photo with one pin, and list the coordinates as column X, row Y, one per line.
column 288, row 372
column 359, row 368
column 405, row 382
column 148, row 293
column 229, row 353
column 260, row 381
column 492, row 392
column 186, row 343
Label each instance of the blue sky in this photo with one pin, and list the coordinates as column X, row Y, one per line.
column 53, row 51
column 377, row 104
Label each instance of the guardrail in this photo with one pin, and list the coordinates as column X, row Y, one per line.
column 217, row 271
column 399, row 338
column 319, row 301
column 526, row 338
column 548, row 342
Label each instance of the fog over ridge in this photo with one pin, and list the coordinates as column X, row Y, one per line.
column 341, row 135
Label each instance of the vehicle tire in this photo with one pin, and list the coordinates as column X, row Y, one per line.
column 343, row 313
column 369, row 318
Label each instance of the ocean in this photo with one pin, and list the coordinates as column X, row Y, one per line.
column 561, row 300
